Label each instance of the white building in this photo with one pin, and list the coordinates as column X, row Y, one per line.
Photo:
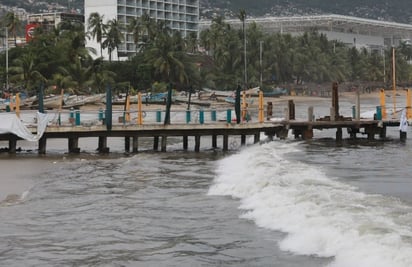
column 181, row 15
column 353, row 31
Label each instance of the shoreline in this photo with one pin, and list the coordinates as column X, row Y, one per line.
column 222, row 104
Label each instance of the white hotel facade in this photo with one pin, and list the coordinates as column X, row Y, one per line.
column 180, row 15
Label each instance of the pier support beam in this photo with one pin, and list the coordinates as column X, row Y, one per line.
column 164, row 143
column 339, row 134
column 156, row 143
column 42, row 145
column 197, row 143
column 242, row 140
column 74, row 145
column 402, row 135
column 12, row 145
column 307, row 134
column 102, row 146
column 127, row 144
column 185, row 142
column 214, row 141
column 135, row 144
column 382, row 133
column 352, row 132
column 225, row 142
column 282, row 133
column 256, row 138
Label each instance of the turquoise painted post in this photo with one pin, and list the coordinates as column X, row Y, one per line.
column 72, row 113
column 213, row 114
column 229, row 116
column 378, row 113
column 201, row 116
column 100, row 114
column 353, row 111
column 77, row 117
column 158, row 116
column 188, row 116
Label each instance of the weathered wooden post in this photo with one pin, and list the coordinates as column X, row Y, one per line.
column 185, row 142
column 308, row 132
column 74, row 145
column 42, row 145
column 310, row 114
column 41, row 95
column 335, row 100
column 168, row 105
column 135, row 144
column 102, row 146
column 269, row 110
column 237, row 104
column 291, row 106
column 12, row 144
column 163, row 143
column 382, row 100
column 261, row 111
column 156, row 143
column 197, row 143
column 214, row 141
column 357, row 112
column 108, row 108
column 127, row 144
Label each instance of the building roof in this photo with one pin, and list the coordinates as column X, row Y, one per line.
column 336, row 23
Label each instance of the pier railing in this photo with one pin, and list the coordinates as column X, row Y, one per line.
column 89, row 117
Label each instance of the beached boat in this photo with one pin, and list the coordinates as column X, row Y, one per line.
column 274, row 92
column 159, row 98
column 49, row 102
column 78, row 101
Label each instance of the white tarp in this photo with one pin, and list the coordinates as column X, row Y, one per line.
column 403, row 124
column 10, row 123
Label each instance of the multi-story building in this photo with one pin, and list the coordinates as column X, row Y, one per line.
column 353, row 31
column 50, row 20
column 180, row 15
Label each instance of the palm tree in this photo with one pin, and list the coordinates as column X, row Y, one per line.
column 79, row 75
column 12, row 22
column 167, row 57
column 191, row 43
column 149, row 27
column 114, row 37
column 135, row 28
column 97, row 28
column 25, row 70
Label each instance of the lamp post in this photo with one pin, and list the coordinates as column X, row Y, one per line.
column 7, row 58
column 384, row 67
column 244, row 38
column 261, row 67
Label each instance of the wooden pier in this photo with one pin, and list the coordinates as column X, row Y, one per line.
column 160, row 133
column 132, row 130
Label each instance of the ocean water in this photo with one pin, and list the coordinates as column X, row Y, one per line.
column 279, row 203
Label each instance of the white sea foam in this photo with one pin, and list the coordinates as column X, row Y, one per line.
column 321, row 215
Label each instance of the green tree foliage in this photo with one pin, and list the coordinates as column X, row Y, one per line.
column 59, row 58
